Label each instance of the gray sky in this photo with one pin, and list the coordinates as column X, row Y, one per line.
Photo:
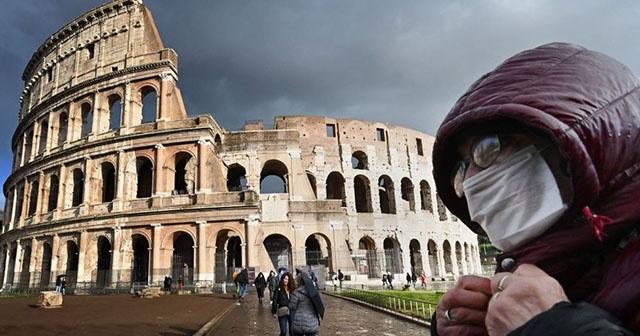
column 402, row 62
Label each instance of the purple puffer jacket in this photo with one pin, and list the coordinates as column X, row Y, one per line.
column 589, row 104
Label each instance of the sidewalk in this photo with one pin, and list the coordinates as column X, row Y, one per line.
column 342, row 317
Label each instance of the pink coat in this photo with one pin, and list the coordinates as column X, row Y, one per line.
column 589, row 105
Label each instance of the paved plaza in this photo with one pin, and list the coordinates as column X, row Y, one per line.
column 184, row 315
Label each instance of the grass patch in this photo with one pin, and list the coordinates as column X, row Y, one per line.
column 418, row 303
column 18, row 295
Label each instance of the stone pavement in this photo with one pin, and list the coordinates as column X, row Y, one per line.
column 342, row 317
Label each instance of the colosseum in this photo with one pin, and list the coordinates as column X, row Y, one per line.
column 114, row 185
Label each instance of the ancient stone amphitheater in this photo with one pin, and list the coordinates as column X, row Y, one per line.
column 114, row 185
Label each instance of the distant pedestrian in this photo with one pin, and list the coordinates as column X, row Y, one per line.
column 63, row 285
column 280, row 305
column 340, row 278
column 414, row 279
column 236, row 289
column 390, row 279
column 167, row 283
column 58, row 281
column 384, row 281
column 272, row 283
column 423, row 280
column 305, row 319
column 243, row 280
column 408, row 278
column 180, row 284
column 261, row 284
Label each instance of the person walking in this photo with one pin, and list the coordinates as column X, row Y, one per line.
column 272, row 283
column 280, row 305
column 58, row 281
column 540, row 155
column 305, row 318
column 63, row 285
column 423, row 280
column 384, row 281
column 261, row 284
column 243, row 280
column 414, row 279
column 340, row 278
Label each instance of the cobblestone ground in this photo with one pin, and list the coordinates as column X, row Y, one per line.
column 341, row 318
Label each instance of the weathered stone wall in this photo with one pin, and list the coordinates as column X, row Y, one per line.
column 111, row 192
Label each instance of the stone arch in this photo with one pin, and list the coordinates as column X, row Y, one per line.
column 387, row 195
column 217, row 140
column 13, row 251
column 359, row 160
column 273, row 178
column 335, row 187
column 228, row 251
column 33, row 196
column 25, row 274
column 77, row 176
column 425, row 196
column 28, row 145
column 392, row 255
column 103, row 274
column 362, row 190
column 149, row 100
column 63, row 128
column 184, row 173
column 44, row 135
column 415, row 256
column 432, row 248
column 144, row 177
column 442, row 210
column 236, row 178
column 108, row 186
column 115, row 111
column 86, row 118
column 459, row 253
column 367, row 248
column 406, row 187
column 54, row 190
column 140, row 245
column 72, row 262
column 447, row 254
column 182, row 260
column 45, row 267
column 279, row 250
column 318, row 250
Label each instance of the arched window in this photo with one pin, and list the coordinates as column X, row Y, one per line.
column 359, row 160
column 78, row 187
column 115, row 110
column 335, row 187
column 425, row 196
column 273, row 178
column 144, row 170
column 87, row 119
column 407, row 193
column 184, row 177
column 362, row 191
column 44, row 134
column 149, row 104
column 236, row 178
column 387, row 197
column 63, row 124
column 108, row 182
column 33, row 198
column 28, row 145
column 54, row 187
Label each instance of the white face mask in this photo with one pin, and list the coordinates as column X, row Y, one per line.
column 516, row 200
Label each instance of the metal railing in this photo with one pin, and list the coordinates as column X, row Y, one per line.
column 422, row 310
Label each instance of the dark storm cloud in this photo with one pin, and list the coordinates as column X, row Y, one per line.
column 403, row 62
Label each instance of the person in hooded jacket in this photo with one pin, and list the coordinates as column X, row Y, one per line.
column 261, row 284
column 541, row 155
column 305, row 320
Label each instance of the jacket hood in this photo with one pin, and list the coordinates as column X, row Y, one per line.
column 586, row 102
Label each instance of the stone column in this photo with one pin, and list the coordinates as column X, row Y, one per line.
column 120, row 180
column 35, row 262
column 426, row 263
column 4, row 253
column 156, row 276
column 12, row 211
column 17, row 267
column 55, row 247
column 201, row 166
column 204, row 271
column 41, row 202
column 441, row 268
column 88, row 176
column 159, row 187
column 62, row 192
column 116, row 262
column 83, row 247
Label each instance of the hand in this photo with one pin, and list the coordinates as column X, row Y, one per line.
column 467, row 305
column 522, row 295
column 275, row 316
